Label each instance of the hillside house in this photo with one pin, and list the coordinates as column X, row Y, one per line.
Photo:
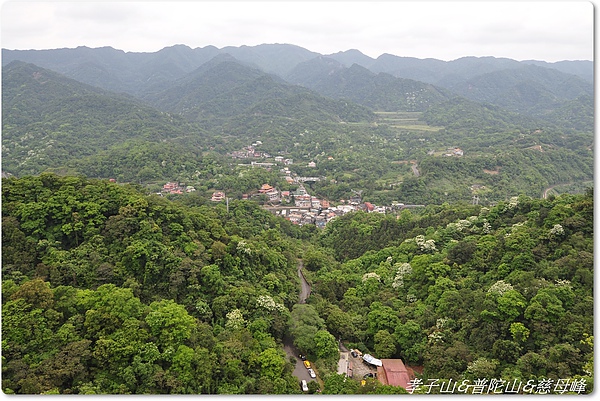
column 294, row 216
column 302, row 201
column 217, row 196
column 172, row 188
column 320, row 221
column 315, row 202
column 272, row 193
column 392, row 372
column 368, row 207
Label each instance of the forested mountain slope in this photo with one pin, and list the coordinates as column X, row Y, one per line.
column 466, row 292
column 49, row 119
column 529, row 89
column 381, row 92
column 224, row 87
column 136, row 73
column 108, row 290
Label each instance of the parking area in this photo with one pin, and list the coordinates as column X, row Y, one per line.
column 357, row 368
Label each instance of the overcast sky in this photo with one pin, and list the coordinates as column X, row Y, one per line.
column 541, row 30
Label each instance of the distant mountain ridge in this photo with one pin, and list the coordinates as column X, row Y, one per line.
column 133, row 73
column 388, row 83
column 175, row 61
column 382, row 91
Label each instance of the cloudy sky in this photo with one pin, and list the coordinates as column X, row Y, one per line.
column 541, row 30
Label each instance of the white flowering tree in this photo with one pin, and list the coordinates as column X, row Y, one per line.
column 423, row 245
column 500, row 287
column 402, row 270
column 235, row 320
column 482, row 368
column 557, row 231
column 371, row 276
column 266, row 302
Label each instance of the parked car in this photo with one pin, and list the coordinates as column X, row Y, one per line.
column 303, row 357
column 304, row 385
column 307, row 364
column 312, row 373
column 369, row 375
column 353, row 353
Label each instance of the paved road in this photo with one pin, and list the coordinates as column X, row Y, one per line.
column 415, row 170
column 343, row 363
column 305, row 287
column 299, row 370
column 288, row 343
column 545, row 193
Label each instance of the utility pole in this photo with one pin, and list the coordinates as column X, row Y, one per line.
column 227, row 202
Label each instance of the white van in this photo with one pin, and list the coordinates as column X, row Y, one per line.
column 304, row 385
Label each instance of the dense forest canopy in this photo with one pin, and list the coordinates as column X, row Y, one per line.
column 483, row 267
column 134, row 293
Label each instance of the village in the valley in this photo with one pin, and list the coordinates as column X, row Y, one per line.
column 299, row 206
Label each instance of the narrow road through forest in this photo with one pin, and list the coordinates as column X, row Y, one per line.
column 415, row 170
column 304, row 286
column 288, row 343
column 545, row 193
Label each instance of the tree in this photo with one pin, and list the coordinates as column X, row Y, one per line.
column 482, row 368
column 385, row 345
column 326, row 346
column 271, row 363
column 170, row 323
column 382, row 318
column 313, row 387
column 339, row 384
column 411, row 340
column 545, row 306
column 35, row 292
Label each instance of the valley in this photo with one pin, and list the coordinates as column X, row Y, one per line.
column 190, row 221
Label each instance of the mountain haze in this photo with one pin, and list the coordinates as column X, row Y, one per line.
column 382, row 91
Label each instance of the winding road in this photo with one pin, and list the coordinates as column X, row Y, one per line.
column 288, row 343
column 414, row 169
column 305, row 287
column 545, row 193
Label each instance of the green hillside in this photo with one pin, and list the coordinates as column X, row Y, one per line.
column 107, row 290
column 49, row 120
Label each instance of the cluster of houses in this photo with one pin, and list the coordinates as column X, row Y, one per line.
column 250, row 152
column 453, row 152
column 297, row 206
column 450, row 152
column 320, row 216
column 301, row 208
column 176, row 188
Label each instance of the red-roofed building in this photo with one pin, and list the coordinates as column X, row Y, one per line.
column 392, row 372
column 265, row 188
